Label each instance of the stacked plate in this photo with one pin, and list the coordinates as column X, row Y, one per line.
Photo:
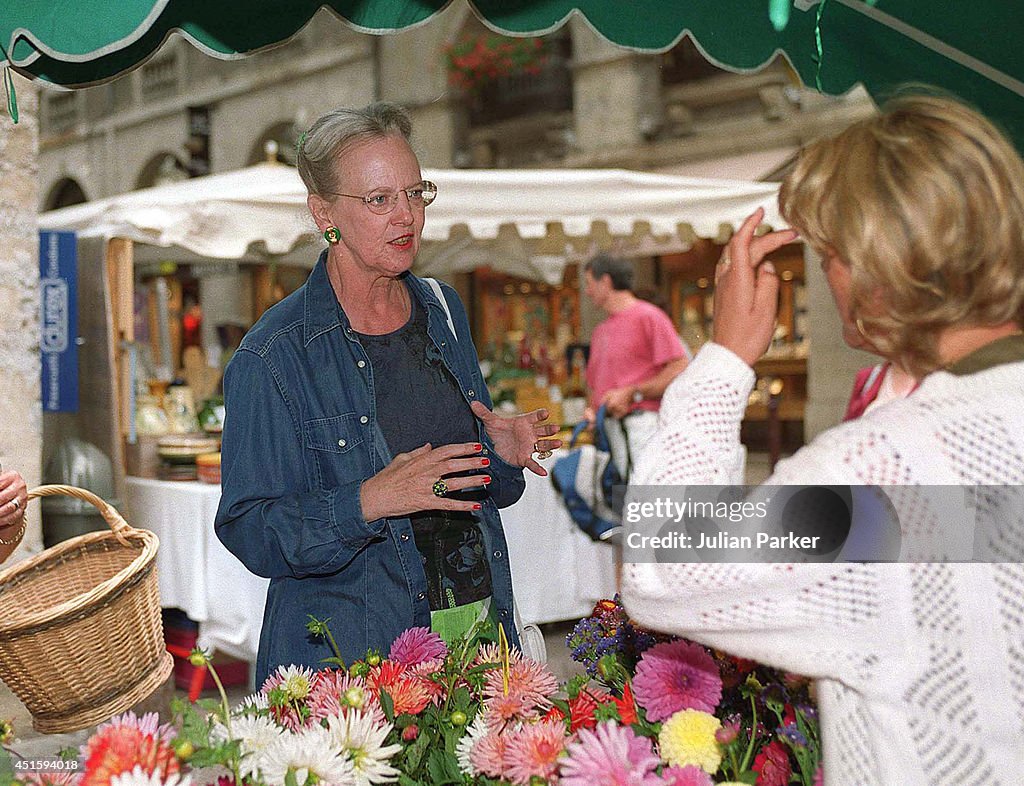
column 178, row 453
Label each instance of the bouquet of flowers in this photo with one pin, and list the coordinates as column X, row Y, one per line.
column 650, row 711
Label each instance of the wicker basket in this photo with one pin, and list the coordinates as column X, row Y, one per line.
column 81, row 637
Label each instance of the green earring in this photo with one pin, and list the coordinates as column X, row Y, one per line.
column 332, row 235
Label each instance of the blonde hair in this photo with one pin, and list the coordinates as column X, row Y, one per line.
column 925, row 204
column 335, row 131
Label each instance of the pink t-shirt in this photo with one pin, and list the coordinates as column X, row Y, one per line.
column 631, row 347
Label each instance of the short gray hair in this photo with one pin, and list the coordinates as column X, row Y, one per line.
column 338, row 129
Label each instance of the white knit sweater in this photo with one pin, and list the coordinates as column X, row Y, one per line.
column 920, row 667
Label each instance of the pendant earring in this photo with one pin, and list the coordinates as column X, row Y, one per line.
column 332, row 235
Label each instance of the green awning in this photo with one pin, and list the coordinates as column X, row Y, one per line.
column 970, row 49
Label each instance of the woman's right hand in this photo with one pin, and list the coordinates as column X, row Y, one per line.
column 747, row 290
column 13, row 499
column 406, row 485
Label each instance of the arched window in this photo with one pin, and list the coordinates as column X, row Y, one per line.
column 276, row 143
column 160, row 170
column 65, row 193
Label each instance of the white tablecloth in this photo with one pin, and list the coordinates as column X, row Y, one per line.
column 197, row 574
column 557, row 572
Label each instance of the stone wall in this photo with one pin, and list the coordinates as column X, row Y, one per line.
column 20, row 413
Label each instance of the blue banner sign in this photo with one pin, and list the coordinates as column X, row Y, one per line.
column 58, row 320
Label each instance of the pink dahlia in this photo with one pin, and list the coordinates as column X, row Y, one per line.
column 611, row 755
column 503, row 710
column 417, row 645
column 527, row 678
column 674, row 676
column 534, row 751
column 121, row 745
column 425, row 670
column 334, row 692
column 488, row 754
column 690, row 775
column 491, row 653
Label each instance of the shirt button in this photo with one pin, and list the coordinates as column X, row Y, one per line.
column 471, row 394
column 404, row 536
column 421, row 596
column 504, row 613
column 497, row 554
column 364, row 419
column 361, row 364
column 341, row 443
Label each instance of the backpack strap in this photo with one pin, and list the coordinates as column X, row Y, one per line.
column 436, row 287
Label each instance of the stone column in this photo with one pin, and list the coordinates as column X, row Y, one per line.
column 20, row 408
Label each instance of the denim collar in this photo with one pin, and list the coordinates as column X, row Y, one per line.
column 322, row 313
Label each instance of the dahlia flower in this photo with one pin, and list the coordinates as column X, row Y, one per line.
column 690, row 775
column 122, row 744
column 611, row 755
column 407, row 690
column 362, row 738
column 305, row 753
column 674, row 676
column 139, row 777
column 688, row 737
column 488, row 755
column 772, row 765
column 534, row 751
column 417, row 645
column 335, row 692
column 474, row 732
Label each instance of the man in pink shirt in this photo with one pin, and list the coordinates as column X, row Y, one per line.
column 634, row 354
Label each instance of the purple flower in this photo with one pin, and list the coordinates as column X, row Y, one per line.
column 417, row 645
column 674, row 676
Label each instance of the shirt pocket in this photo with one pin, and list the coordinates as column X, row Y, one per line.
column 332, row 443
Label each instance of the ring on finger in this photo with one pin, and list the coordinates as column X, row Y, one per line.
column 17, row 505
column 440, row 487
column 541, row 454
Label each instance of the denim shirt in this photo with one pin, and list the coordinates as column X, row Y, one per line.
column 300, row 437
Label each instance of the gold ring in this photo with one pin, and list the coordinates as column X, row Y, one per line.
column 541, row 454
column 440, row 487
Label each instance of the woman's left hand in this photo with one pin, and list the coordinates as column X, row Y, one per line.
column 13, row 499
column 516, row 439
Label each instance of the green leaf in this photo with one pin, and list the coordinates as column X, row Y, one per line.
column 414, row 753
column 388, row 705
column 748, row 776
column 443, row 768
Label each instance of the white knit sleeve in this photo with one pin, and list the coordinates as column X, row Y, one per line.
column 698, row 436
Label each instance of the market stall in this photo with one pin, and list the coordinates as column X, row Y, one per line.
column 530, row 224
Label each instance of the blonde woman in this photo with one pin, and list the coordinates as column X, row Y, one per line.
column 918, row 215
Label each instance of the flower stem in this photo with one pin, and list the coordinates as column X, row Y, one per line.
column 753, row 735
column 226, row 709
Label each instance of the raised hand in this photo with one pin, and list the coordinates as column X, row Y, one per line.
column 747, row 290
column 516, row 439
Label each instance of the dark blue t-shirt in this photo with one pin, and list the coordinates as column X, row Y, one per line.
column 418, row 401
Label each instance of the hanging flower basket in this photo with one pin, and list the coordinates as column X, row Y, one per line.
column 475, row 61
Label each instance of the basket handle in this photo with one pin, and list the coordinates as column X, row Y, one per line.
column 122, row 529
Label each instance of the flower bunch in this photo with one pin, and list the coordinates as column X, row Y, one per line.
column 660, row 712
column 475, row 61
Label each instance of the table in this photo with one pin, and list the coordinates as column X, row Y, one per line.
column 558, row 573
column 196, row 573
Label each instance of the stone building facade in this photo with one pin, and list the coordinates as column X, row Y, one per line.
column 592, row 105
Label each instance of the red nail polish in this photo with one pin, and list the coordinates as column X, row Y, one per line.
column 487, row 479
column 476, row 507
column 478, row 447
column 485, row 462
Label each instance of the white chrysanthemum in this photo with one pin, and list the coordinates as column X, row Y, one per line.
column 256, row 701
column 296, row 680
column 474, row 731
column 255, row 734
column 139, row 777
column 362, row 739
column 309, row 752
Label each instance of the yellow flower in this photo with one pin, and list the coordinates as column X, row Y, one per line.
column 688, row 737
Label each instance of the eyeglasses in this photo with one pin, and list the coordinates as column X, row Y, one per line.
column 384, row 202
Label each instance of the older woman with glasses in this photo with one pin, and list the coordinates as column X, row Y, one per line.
column 362, row 468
